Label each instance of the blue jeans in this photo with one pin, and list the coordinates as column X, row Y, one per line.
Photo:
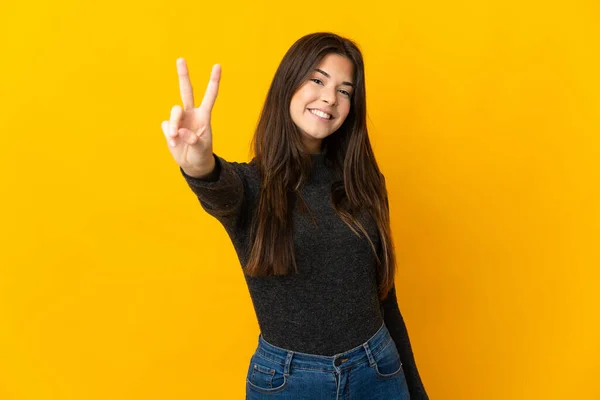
column 370, row 371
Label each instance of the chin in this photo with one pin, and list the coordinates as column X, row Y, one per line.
column 319, row 136
column 317, row 133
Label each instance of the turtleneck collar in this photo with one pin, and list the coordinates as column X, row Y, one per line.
column 320, row 171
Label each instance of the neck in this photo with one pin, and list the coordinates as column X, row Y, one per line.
column 319, row 169
column 313, row 147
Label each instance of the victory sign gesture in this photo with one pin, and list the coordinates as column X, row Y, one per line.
column 188, row 132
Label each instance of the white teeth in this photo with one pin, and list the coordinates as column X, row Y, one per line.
column 320, row 114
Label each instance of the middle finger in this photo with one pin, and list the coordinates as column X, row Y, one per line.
column 185, row 86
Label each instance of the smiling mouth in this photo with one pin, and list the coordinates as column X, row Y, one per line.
column 320, row 114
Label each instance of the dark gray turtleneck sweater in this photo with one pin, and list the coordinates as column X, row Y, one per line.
column 331, row 304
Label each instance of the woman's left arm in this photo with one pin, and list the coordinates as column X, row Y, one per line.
column 395, row 324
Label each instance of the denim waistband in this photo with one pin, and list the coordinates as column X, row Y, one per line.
column 338, row 362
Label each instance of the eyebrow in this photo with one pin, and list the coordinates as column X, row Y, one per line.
column 327, row 75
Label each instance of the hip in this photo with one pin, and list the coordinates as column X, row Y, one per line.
column 372, row 370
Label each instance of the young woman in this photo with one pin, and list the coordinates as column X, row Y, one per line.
column 309, row 219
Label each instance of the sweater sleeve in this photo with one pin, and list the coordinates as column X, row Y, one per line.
column 395, row 324
column 221, row 194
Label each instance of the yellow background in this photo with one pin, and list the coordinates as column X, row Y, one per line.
column 484, row 116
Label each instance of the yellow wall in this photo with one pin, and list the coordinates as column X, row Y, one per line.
column 114, row 284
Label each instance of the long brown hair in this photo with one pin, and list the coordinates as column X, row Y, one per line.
column 284, row 164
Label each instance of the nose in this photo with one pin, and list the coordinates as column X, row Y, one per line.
column 328, row 95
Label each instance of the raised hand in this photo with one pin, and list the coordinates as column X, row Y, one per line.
column 188, row 132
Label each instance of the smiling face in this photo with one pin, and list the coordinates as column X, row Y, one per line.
column 320, row 106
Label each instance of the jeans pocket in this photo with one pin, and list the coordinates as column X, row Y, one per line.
column 387, row 361
column 265, row 376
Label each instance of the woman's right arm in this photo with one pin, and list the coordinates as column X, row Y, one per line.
column 221, row 192
column 216, row 183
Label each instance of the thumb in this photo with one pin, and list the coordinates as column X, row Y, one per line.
column 187, row 136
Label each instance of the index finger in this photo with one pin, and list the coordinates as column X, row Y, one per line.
column 185, row 86
column 210, row 96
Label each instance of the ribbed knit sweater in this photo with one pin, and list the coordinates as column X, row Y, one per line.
column 331, row 305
